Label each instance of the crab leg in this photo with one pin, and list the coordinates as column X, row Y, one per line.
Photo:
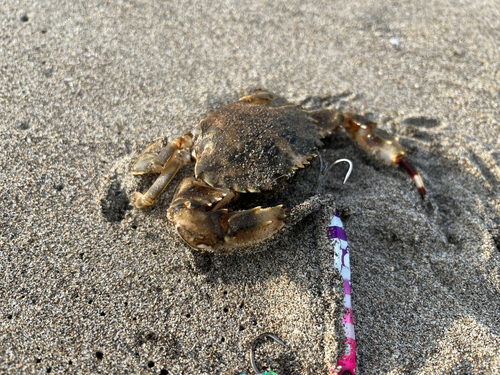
column 259, row 97
column 381, row 144
column 365, row 134
column 154, row 157
column 166, row 161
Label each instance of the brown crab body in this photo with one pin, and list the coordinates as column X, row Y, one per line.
column 246, row 147
column 243, row 147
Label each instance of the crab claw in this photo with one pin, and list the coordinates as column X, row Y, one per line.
column 412, row 171
column 380, row 144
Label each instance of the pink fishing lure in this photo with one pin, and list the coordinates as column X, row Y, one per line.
column 347, row 363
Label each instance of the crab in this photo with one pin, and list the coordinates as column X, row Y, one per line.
column 246, row 147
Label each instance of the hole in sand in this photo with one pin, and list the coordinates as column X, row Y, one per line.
column 25, row 125
column 116, row 203
column 423, row 122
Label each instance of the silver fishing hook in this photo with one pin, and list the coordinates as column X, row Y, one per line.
column 254, row 346
column 325, row 168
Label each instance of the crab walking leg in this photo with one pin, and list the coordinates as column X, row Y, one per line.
column 259, row 97
column 198, row 214
column 365, row 135
column 154, row 157
column 146, row 162
column 169, row 170
column 381, row 144
column 347, row 363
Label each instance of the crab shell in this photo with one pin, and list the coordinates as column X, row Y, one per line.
column 246, row 148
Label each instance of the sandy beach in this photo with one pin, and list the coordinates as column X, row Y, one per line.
column 90, row 285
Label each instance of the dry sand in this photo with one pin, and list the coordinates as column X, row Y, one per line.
column 84, row 87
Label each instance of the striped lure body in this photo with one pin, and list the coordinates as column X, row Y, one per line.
column 347, row 363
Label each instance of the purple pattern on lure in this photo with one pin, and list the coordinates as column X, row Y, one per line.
column 344, row 253
column 347, row 287
column 337, row 232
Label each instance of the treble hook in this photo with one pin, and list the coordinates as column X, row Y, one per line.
column 254, row 346
column 325, row 168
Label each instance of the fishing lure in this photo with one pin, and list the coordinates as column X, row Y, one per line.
column 346, row 365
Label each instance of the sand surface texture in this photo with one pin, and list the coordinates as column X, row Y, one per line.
column 88, row 285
